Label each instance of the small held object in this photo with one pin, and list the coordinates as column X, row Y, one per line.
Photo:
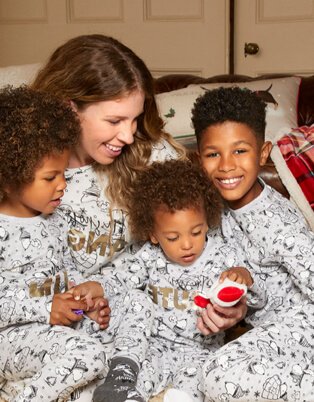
column 225, row 294
column 78, row 312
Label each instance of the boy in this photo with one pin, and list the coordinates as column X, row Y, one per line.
column 274, row 356
column 44, row 335
column 36, row 132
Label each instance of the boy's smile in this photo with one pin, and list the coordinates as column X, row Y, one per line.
column 231, row 156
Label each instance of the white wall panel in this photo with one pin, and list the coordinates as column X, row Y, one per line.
column 94, row 11
column 19, row 12
column 284, row 10
column 174, row 10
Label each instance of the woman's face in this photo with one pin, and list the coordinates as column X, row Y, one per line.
column 107, row 126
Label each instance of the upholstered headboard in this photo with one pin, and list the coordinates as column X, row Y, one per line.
column 305, row 108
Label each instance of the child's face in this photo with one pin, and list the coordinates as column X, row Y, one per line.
column 181, row 234
column 43, row 194
column 231, row 156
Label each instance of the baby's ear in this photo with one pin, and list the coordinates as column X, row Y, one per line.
column 265, row 152
column 153, row 239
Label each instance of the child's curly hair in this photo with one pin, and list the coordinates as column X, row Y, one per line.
column 174, row 185
column 220, row 105
column 32, row 125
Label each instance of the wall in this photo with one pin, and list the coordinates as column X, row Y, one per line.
column 187, row 36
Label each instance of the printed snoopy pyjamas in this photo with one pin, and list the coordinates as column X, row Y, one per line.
column 34, row 265
column 177, row 350
column 274, row 360
column 56, row 360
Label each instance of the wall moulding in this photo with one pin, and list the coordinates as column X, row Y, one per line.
column 269, row 11
column 301, row 72
column 158, row 72
column 98, row 11
column 167, row 10
column 19, row 12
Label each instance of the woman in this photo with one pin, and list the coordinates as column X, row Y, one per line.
column 112, row 91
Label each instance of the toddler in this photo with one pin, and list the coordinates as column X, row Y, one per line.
column 176, row 211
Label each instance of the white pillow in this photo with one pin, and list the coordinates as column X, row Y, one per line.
column 18, row 75
column 281, row 96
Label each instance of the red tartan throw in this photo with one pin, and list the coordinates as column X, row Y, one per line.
column 297, row 149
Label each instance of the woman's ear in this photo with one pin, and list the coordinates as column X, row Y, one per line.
column 265, row 152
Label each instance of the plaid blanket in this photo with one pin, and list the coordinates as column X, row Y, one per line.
column 297, row 149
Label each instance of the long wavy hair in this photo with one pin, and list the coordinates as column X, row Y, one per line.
column 93, row 68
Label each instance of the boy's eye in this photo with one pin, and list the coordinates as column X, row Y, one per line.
column 240, row 151
column 50, row 178
column 212, row 155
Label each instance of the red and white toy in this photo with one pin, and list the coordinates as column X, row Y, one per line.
column 225, row 294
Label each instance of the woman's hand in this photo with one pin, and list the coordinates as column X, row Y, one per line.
column 62, row 308
column 214, row 319
column 100, row 312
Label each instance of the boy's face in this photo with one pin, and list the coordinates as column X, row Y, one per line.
column 181, row 234
column 231, row 156
column 43, row 194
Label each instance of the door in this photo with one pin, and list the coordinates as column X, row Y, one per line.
column 172, row 36
column 283, row 31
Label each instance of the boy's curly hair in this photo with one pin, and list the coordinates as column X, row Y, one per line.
column 32, row 125
column 174, row 185
column 220, row 105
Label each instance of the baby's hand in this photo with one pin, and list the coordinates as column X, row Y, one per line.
column 87, row 291
column 237, row 274
column 100, row 312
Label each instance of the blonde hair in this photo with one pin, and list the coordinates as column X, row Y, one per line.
column 94, row 68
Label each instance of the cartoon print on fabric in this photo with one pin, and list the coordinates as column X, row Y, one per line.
column 96, row 229
column 177, row 350
column 277, row 354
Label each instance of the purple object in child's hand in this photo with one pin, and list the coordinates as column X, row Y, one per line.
column 78, row 312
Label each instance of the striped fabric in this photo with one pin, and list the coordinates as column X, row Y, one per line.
column 297, row 149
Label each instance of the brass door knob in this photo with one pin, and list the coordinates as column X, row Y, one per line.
column 250, row 48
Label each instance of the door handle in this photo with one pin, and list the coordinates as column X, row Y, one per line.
column 250, row 48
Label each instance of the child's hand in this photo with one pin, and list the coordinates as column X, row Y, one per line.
column 237, row 274
column 100, row 312
column 87, row 291
column 62, row 309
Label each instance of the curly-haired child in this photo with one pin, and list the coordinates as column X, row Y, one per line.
column 42, row 334
column 272, row 360
column 36, row 133
column 176, row 211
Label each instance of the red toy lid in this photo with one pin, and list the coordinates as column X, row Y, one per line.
column 230, row 294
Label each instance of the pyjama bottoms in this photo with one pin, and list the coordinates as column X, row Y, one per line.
column 274, row 361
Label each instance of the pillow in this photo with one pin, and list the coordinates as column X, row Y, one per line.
column 293, row 156
column 280, row 94
column 18, row 75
